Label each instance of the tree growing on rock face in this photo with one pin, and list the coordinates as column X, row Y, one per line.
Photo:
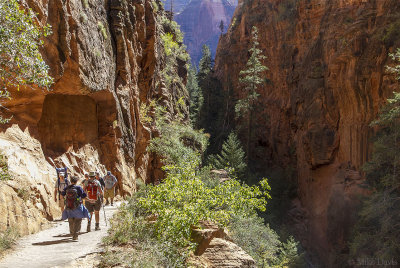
column 20, row 38
column 377, row 234
column 251, row 78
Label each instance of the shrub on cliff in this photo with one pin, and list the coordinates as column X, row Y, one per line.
column 20, row 39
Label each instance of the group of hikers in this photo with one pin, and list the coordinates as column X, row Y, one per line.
column 93, row 190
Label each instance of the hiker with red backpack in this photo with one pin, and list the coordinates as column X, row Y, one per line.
column 93, row 201
column 74, row 211
column 62, row 182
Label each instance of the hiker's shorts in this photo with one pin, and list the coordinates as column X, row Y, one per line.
column 93, row 206
column 109, row 193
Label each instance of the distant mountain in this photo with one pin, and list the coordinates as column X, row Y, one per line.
column 200, row 21
column 178, row 5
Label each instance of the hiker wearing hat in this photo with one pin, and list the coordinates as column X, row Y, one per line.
column 93, row 201
column 110, row 184
column 61, row 183
column 74, row 210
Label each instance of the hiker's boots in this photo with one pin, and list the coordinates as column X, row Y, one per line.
column 75, row 237
column 97, row 227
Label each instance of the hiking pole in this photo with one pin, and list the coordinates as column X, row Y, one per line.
column 105, row 218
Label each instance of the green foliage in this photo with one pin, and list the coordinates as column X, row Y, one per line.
column 8, row 239
column 172, row 27
column 214, row 108
column 24, row 193
column 173, row 51
column 83, row 17
column 256, row 238
column 383, row 169
column 183, row 200
column 178, row 142
column 196, row 97
column 85, row 3
column 392, row 33
column 144, row 111
column 376, row 234
column 251, row 77
column 102, row 29
column 130, row 227
column 288, row 255
column 395, row 69
column 231, row 157
column 4, row 173
column 155, row 6
column 205, row 64
column 263, row 244
column 20, row 39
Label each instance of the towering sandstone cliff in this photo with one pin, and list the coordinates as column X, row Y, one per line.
column 327, row 81
column 106, row 58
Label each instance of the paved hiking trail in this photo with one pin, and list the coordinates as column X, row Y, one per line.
column 53, row 248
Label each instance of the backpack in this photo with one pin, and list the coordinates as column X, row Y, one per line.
column 66, row 181
column 72, row 200
column 92, row 190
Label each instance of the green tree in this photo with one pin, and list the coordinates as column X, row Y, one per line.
column 196, row 97
column 221, row 26
column 205, row 64
column 251, row 78
column 204, row 78
column 20, row 39
column 231, row 156
column 377, row 233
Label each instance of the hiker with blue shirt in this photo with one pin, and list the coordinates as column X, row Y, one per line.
column 110, row 184
column 74, row 211
column 61, row 183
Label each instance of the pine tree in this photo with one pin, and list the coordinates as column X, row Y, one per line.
column 251, row 78
column 377, row 234
column 204, row 78
column 196, row 97
column 231, row 156
column 221, row 26
column 205, row 64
